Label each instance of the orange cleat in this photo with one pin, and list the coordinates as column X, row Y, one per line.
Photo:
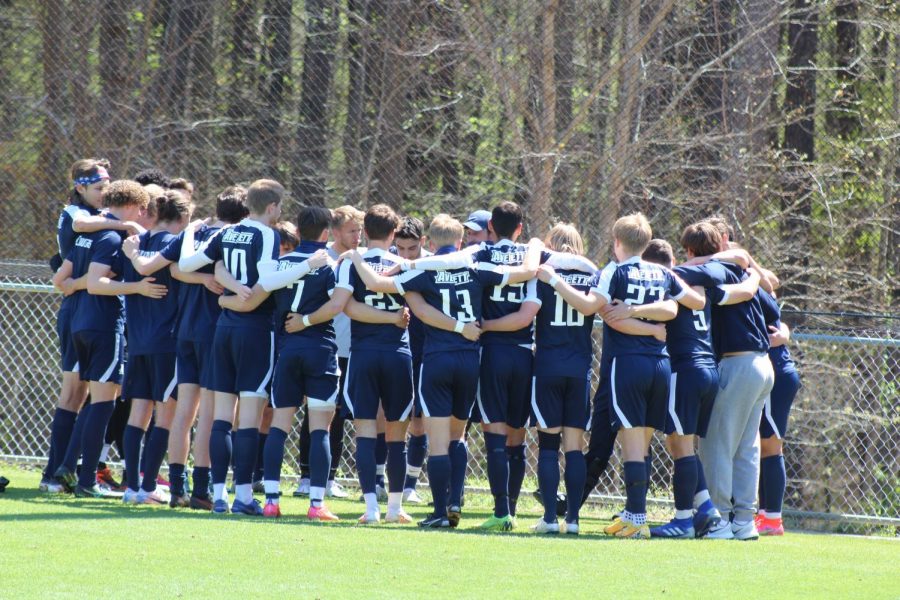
column 767, row 526
column 321, row 513
column 272, row 510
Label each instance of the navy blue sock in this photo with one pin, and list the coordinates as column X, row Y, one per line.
column 319, row 458
column 396, row 466
column 132, row 442
column 439, row 481
column 576, row 475
column 498, row 471
column 365, row 464
column 684, row 482
column 201, row 482
column 303, row 455
column 761, row 488
column 701, row 478
column 177, row 479
column 381, row 452
column 775, row 477
column 154, row 453
column 648, row 462
column 459, row 460
column 548, row 472
column 335, row 444
column 416, row 450
column 60, row 435
column 147, row 435
column 516, row 456
column 260, row 452
column 273, row 457
column 220, row 450
column 246, row 444
column 636, row 487
column 92, row 442
column 73, row 450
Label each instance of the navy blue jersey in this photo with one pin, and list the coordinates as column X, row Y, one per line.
column 635, row 281
column 373, row 336
column 247, row 249
column 65, row 235
column 98, row 313
column 151, row 321
column 562, row 334
column 739, row 327
column 198, row 308
column 500, row 301
column 457, row 293
column 305, row 296
column 779, row 355
column 416, row 337
column 688, row 335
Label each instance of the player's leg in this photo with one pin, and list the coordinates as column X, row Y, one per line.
column 416, row 445
column 224, row 407
column 161, row 368
column 519, row 367
column 546, row 405
column 200, row 499
column 706, row 515
column 273, row 455
column 436, row 401
column 336, row 438
column 603, row 433
column 180, row 440
column 464, row 385
column 265, row 426
column 321, row 413
column 575, row 420
column 72, row 398
column 773, row 428
column 303, row 456
column 380, row 454
column 361, row 396
column 397, row 404
column 138, row 421
column 492, row 406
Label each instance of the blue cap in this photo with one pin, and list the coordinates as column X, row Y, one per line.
column 478, row 220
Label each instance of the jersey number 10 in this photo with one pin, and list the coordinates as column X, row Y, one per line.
column 236, row 263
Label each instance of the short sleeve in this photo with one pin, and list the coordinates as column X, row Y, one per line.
column 602, row 282
column 346, row 275
column 770, row 310
column 412, row 281
column 708, row 275
column 106, row 249
column 172, row 250
column 673, row 287
column 212, row 248
column 531, row 292
column 490, row 274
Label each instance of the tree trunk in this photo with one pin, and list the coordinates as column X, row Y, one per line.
column 84, row 29
column 843, row 119
column 114, row 81
column 241, row 60
column 564, row 72
column 274, row 79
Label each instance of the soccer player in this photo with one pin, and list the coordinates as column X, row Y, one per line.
column 409, row 244
column 198, row 311
column 150, row 374
column 448, row 381
column 639, row 392
column 729, row 452
column 694, row 381
column 379, row 371
column 478, row 227
column 244, row 343
column 97, row 326
column 773, row 427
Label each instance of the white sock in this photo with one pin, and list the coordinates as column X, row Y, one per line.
column 379, row 470
column 244, row 493
column 371, row 502
column 762, row 513
column 412, row 471
column 639, row 518
column 329, row 485
column 316, row 495
column 395, row 502
column 700, row 497
column 304, row 480
column 272, row 489
column 219, row 492
column 104, row 454
column 772, row 515
column 684, row 514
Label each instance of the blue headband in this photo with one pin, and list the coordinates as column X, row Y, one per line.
column 100, row 175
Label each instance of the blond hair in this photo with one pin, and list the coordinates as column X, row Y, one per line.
column 445, row 231
column 633, row 232
column 345, row 213
column 563, row 237
column 262, row 193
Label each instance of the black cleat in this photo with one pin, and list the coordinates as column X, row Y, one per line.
column 198, row 503
column 67, row 478
column 435, row 522
column 3, row 483
column 454, row 513
column 95, row 491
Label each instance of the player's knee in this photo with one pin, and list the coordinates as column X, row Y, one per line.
column 549, row 441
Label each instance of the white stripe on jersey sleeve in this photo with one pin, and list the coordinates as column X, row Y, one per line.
column 267, row 263
column 402, row 278
column 343, row 275
column 492, row 268
column 604, row 281
column 282, row 278
column 570, row 262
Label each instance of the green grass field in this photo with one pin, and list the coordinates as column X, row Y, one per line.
column 64, row 547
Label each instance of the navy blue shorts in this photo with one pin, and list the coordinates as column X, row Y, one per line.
column 417, row 371
column 561, row 401
column 195, row 363
column 504, row 394
column 639, row 387
column 243, row 360
column 379, row 377
column 778, row 405
column 692, row 392
column 448, row 383
column 150, row 377
column 305, row 372
column 68, row 356
column 101, row 355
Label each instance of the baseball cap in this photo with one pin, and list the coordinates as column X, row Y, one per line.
column 478, row 220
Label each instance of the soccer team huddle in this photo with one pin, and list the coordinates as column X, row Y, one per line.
column 233, row 323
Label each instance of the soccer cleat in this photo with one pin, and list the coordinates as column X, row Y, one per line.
column 157, row 496
column 198, row 503
column 368, row 518
column 220, row 507
column 570, row 528
column 335, row 490
column 67, row 478
column 381, row 493
column 95, row 491
column 411, row 497
column 42, row 486
column 3, row 483
column 705, row 520
column 162, row 482
column 500, row 524
column 252, row 508
column 400, row 518
column 618, row 523
column 321, row 513
column 675, row 529
column 258, row 487
column 271, row 510
column 302, row 489
column 744, row 531
column 632, row 531
column 543, row 526
column 435, row 522
column 51, row 486
column 130, row 496
column 720, row 531
column 766, row 526
column 182, row 501
column 105, row 478
column 454, row 514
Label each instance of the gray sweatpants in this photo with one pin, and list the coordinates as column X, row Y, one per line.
column 730, row 450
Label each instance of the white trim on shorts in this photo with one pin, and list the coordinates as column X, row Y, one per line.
column 346, row 390
column 612, row 381
column 767, row 411
column 112, row 367
column 537, row 413
column 425, row 411
column 171, row 387
column 673, row 379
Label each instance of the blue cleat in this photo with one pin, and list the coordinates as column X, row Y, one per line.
column 675, row 529
column 254, row 508
column 220, row 507
column 706, row 517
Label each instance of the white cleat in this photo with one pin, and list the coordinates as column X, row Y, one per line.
column 157, row 496
column 381, row 493
column 335, row 490
column 744, row 531
column 570, row 528
column 411, row 497
column 131, row 497
column 370, row 518
column 722, row 531
column 543, row 526
column 302, row 489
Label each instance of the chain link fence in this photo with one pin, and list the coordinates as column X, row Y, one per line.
column 842, row 451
